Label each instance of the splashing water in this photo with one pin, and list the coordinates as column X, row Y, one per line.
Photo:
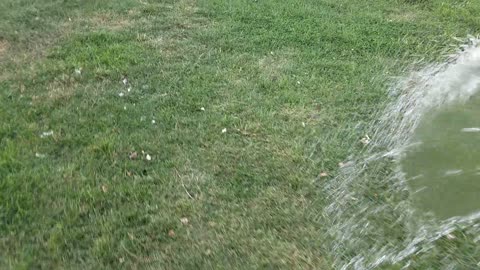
column 371, row 217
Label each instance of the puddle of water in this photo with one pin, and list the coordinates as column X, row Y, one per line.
column 445, row 166
column 421, row 159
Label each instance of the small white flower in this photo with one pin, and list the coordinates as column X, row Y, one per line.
column 303, row 124
column 224, row 130
column 153, row 121
column 78, row 71
column 365, row 140
column 46, row 134
column 202, row 109
column 148, row 157
column 450, row 236
column 125, row 108
column 298, row 82
column 125, row 81
column 121, row 94
column 129, row 89
column 38, row 155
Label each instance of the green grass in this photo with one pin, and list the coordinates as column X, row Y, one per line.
column 290, row 81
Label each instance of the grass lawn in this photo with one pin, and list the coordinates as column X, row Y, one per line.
column 192, row 133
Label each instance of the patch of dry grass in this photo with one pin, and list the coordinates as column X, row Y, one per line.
column 110, row 21
column 272, row 66
column 3, row 47
column 403, row 16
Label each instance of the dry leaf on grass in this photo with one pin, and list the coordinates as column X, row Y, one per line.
column 345, row 164
column 133, row 155
column 184, row 220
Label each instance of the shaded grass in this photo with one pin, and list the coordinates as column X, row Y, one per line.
column 259, row 69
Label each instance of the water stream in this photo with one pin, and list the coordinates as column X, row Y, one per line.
column 412, row 197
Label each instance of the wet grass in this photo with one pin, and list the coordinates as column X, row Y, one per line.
column 293, row 84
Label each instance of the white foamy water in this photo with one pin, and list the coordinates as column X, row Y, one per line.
column 453, row 172
column 371, row 219
column 475, row 129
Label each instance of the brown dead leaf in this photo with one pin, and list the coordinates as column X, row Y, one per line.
column 171, row 233
column 129, row 173
column 104, row 188
column 323, row 174
column 133, row 155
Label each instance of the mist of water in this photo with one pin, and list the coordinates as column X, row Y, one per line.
column 371, row 217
